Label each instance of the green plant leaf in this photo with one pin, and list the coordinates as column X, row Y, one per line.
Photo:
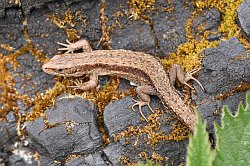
column 199, row 148
column 233, row 138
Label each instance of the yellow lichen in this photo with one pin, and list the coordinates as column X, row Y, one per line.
column 125, row 160
column 151, row 135
column 188, row 55
column 42, row 101
column 105, row 39
column 68, row 22
column 138, row 8
column 152, row 131
column 9, row 95
column 17, row 2
column 228, row 9
column 170, row 9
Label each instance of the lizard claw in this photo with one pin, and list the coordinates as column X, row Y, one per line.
column 78, row 83
column 141, row 104
column 71, row 47
column 189, row 76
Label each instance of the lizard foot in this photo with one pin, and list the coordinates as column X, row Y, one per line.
column 141, row 104
column 177, row 72
column 189, row 76
column 71, row 47
column 78, row 84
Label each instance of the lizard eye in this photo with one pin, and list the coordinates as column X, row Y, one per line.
column 58, row 70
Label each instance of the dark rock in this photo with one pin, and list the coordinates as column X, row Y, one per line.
column 210, row 20
column 118, row 115
column 90, row 160
column 169, row 27
column 73, row 130
column 174, row 151
column 244, row 17
column 16, row 160
column 22, row 156
column 8, row 136
column 12, row 34
column 136, row 36
column 32, row 77
column 223, row 68
column 47, row 161
column 30, row 5
column 13, row 152
column 5, row 5
column 115, row 151
column 130, row 34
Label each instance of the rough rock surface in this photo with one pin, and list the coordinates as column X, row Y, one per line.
column 244, row 17
column 73, row 130
column 117, row 118
column 223, row 69
column 169, row 27
column 92, row 159
column 7, row 136
column 73, row 134
column 209, row 20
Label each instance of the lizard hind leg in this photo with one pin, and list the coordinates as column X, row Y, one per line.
column 140, row 104
column 189, row 76
column 177, row 72
column 143, row 93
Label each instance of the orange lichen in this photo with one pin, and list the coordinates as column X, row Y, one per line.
column 151, row 134
column 151, row 130
column 138, row 8
column 102, row 98
column 17, row 2
column 245, row 86
column 125, row 160
column 157, row 157
column 188, row 54
column 42, row 101
column 105, row 39
column 170, row 9
column 9, row 95
column 68, row 20
column 6, row 47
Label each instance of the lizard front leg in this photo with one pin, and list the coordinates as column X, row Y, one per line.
column 143, row 93
column 91, row 84
column 71, row 47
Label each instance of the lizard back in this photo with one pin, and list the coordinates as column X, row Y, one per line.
column 138, row 67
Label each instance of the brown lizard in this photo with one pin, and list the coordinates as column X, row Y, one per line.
column 138, row 67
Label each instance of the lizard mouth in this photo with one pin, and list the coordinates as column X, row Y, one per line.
column 60, row 71
column 52, row 71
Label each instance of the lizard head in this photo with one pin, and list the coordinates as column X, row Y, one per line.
column 61, row 65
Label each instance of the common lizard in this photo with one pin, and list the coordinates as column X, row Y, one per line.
column 138, row 67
